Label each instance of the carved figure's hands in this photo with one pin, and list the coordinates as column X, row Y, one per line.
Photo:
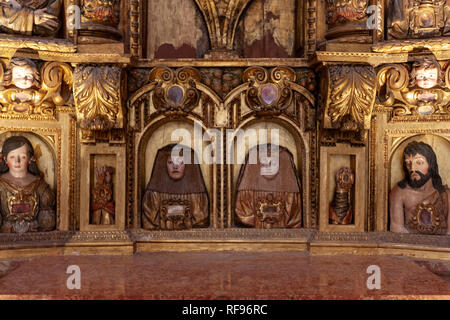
column 45, row 20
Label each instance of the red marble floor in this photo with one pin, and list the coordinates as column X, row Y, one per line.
column 223, row 275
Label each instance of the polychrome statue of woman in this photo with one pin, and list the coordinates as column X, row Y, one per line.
column 26, row 201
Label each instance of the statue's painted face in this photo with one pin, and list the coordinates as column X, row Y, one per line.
column 175, row 167
column 270, row 166
column 427, row 78
column 22, row 77
column 418, row 170
column 18, row 160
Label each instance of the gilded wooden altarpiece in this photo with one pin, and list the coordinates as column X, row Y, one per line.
column 347, row 94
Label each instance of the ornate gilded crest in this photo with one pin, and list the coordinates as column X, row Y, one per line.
column 269, row 93
column 176, row 92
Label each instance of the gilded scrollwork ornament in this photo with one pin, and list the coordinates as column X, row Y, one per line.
column 97, row 95
column 176, row 92
column 422, row 90
column 350, row 97
column 269, row 93
column 27, row 92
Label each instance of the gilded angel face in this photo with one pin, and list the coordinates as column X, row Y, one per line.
column 22, row 77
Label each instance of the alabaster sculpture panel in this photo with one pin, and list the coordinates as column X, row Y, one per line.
column 419, row 200
column 28, row 203
column 268, row 189
column 175, row 197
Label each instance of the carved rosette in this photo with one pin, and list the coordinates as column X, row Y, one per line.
column 50, row 88
column 175, row 93
column 350, row 97
column 98, row 98
column 221, row 18
column 269, row 93
column 398, row 89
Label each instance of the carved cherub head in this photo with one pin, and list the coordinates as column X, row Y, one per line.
column 22, row 73
column 426, row 73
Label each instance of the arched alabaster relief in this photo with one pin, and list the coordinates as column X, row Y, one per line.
column 26, row 201
column 268, row 189
column 175, row 197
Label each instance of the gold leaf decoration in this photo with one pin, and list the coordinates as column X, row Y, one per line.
column 97, row 97
column 351, row 96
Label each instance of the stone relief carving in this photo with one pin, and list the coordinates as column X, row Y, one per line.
column 420, row 203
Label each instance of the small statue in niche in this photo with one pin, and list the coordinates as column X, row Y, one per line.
column 30, row 17
column 26, row 200
column 418, row 18
column 268, row 192
column 340, row 207
column 420, row 203
column 103, row 207
column 175, row 197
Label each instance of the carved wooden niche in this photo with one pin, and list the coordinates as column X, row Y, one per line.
column 418, row 192
column 29, row 191
column 174, row 107
column 270, row 119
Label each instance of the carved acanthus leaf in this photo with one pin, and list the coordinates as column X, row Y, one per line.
column 352, row 95
column 97, row 97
